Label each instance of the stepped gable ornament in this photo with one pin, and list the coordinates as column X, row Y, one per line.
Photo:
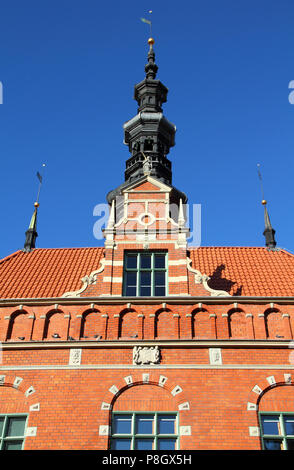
column 87, row 281
column 202, row 279
column 146, row 355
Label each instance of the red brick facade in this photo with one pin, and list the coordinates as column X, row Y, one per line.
column 223, row 358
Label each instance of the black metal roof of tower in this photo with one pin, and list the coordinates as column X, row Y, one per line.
column 269, row 232
column 149, row 132
column 31, row 233
column 149, row 135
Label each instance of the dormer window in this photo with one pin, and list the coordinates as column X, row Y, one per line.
column 145, row 274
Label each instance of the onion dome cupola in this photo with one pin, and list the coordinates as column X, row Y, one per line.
column 149, row 135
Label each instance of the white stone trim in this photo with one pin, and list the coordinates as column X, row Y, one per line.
column 105, row 406
column 17, row 382
column 113, row 389
column 177, row 262
column 203, row 279
column 185, row 430
column 254, row 431
column 2, row 379
column 256, row 389
column 271, row 380
column 251, row 406
column 215, row 356
column 112, row 279
column 177, row 279
column 104, row 430
column 75, row 357
column 176, row 390
column 87, row 281
column 162, row 380
column 129, row 380
column 31, row 431
column 287, row 378
column 29, row 391
column 35, row 407
column 184, row 406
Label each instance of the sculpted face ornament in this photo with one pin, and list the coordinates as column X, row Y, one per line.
column 146, row 355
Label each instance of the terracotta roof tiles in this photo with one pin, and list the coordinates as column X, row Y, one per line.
column 241, row 271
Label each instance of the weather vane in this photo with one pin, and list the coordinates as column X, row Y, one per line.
column 261, row 185
column 40, row 178
column 148, row 22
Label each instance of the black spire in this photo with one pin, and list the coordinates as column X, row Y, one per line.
column 149, row 135
column 31, row 233
column 269, row 232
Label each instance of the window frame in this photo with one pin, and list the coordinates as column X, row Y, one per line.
column 4, row 438
column 138, row 270
column 154, row 436
column 283, row 437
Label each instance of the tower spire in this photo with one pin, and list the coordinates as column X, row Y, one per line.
column 269, row 232
column 31, row 233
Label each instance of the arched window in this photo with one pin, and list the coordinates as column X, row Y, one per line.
column 134, row 428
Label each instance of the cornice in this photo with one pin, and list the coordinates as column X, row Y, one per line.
column 119, row 344
column 119, row 300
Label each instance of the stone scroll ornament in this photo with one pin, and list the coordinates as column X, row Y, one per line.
column 146, row 355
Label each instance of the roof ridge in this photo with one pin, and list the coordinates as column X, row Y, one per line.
column 10, row 256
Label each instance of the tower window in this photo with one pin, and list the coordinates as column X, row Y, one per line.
column 148, row 144
column 145, row 274
column 277, row 431
column 144, row 431
column 12, row 431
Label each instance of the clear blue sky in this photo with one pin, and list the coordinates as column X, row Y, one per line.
column 68, row 69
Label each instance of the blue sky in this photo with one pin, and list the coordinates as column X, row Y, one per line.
column 68, row 69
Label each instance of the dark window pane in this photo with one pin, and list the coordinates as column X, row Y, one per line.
column 159, row 278
column 145, row 291
column 159, row 291
column 289, row 425
column 144, row 444
column 159, row 261
column 166, row 424
column 290, row 444
column 131, row 261
column 122, row 424
column 121, row 444
column 270, row 444
column 166, row 444
column 131, row 283
column 270, row 424
column 145, row 278
column 12, row 445
column 16, row 426
column 144, row 424
column 145, row 261
column 131, row 291
column 1, row 425
column 131, row 278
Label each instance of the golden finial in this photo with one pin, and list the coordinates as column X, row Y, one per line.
column 263, row 202
column 36, row 204
column 151, row 41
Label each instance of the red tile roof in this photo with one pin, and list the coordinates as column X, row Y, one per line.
column 244, row 271
column 48, row 272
